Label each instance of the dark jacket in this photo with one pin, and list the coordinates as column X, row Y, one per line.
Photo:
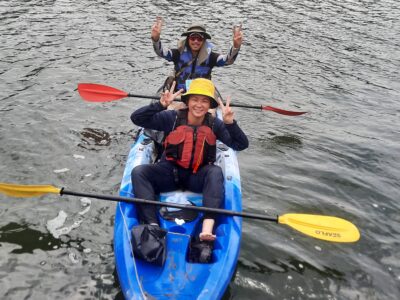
column 155, row 116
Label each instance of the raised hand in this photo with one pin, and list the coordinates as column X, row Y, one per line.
column 237, row 36
column 227, row 112
column 168, row 96
column 156, row 29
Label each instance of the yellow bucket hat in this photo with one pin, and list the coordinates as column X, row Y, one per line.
column 201, row 86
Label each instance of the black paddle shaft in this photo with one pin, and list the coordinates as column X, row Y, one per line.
column 144, row 96
column 260, row 107
column 174, row 205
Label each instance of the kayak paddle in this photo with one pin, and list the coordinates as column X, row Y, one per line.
column 326, row 228
column 101, row 93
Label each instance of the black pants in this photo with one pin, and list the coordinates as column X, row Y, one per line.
column 153, row 179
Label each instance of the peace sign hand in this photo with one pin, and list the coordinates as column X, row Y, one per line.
column 156, row 29
column 237, row 36
column 227, row 112
column 168, row 96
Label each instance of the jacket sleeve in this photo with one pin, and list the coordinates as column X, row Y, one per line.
column 231, row 135
column 154, row 116
column 164, row 52
column 221, row 60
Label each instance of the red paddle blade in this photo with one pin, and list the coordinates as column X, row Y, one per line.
column 99, row 93
column 282, row 111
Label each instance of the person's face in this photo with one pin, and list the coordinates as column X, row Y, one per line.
column 198, row 105
column 196, row 40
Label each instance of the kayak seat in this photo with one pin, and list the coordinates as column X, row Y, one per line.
column 180, row 220
column 181, row 214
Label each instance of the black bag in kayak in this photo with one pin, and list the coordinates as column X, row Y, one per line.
column 149, row 244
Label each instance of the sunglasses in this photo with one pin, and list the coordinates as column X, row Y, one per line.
column 196, row 36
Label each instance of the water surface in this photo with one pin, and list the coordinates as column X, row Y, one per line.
column 338, row 60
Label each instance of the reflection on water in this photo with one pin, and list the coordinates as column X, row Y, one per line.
column 92, row 137
column 27, row 239
column 279, row 142
column 287, row 140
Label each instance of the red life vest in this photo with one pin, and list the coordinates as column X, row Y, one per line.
column 191, row 147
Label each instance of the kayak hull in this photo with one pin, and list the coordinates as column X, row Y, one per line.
column 178, row 278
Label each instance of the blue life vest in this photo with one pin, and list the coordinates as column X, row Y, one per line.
column 187, row 68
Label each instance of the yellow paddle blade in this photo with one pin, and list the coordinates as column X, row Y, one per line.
column 26, row 191
column 322, row 227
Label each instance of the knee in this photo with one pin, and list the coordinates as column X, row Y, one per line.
column 215, row 172
column 138, row 172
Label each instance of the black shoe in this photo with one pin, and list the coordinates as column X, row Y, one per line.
column 205, row 252
column 201, row 252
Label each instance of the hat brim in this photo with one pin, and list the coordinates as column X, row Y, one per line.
column 205, row 34
column 213, row 102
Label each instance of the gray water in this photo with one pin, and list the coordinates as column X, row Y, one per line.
column 337, row 60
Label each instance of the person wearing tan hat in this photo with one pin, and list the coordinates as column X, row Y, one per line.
column 187, row 162
column 194, row 58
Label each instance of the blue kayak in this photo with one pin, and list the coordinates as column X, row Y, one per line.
column 178, row 278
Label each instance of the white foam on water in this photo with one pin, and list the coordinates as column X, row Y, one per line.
column 300, row 289
column 54, row 226
column 77, row 156
column 73, row 258
column 57, row 222
column 107, row 279
column 86, row 203
column 253, row 284
column 61, row 170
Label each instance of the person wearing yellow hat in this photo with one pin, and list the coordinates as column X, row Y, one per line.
column 194, row 57
column 187, row 162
